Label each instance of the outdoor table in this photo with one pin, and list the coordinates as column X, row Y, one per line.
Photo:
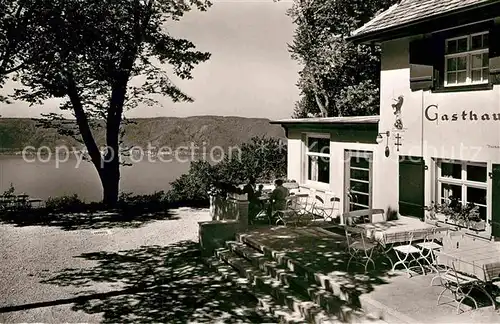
column 391, row 233
column 475, row 257
column 399, row 231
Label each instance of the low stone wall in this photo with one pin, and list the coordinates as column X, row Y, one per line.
column 214, row 234
column 229, row 218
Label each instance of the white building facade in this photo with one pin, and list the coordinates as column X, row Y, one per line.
column 438, row 133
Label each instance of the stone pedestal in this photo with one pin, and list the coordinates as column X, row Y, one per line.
column 214, row 234
column 242, row 213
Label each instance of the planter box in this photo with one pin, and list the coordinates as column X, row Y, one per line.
column 477, row 226
column 455, row 223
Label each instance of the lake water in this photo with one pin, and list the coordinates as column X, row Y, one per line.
column 47, row 179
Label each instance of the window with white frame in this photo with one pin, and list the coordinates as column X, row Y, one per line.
column 467, row 60
column 464, row 181
column 318, row 158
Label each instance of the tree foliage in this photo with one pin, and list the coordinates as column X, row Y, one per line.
column 338, row 78
column 263, row 158
column 103, row 57
column 18, row 37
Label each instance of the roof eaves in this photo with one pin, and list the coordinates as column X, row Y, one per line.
column 374, row 20
column 383, row 33
column 330, row 120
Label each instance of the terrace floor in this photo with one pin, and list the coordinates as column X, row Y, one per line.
column 409, row 300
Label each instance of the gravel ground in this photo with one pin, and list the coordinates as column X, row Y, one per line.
column 151, row 273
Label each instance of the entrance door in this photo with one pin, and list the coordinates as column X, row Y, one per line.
column 411, row 186
column 495, row 200
column 358, row 180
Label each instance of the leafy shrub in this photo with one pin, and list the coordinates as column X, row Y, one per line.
column 154, row 202
column 192, row 188
column 70, row 203
column 261, row 158
column 9, row 192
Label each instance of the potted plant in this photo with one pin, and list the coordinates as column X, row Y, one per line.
column 455, row 213
column 474, row 219
column 451, row 211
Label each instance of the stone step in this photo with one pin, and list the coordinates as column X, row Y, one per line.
column 282, row 294
column 266, row 301
column 328, row 301
column 337, row 286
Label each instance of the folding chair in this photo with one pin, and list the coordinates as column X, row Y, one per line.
column 359, row 247
column 458, row 284
column 290, row 213
column 428, row 247
column 407, row 253
column 324, row 211
column 305, row 208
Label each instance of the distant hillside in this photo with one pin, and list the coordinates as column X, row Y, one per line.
column 17, row 133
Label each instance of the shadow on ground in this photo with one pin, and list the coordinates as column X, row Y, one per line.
column 325, row 253
column 93, row 219
column 160, row 284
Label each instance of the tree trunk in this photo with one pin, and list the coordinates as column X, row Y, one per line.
column 323, row 107
column 110, row 180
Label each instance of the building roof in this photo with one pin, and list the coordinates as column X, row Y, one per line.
column 409, row 12
column 329, row 120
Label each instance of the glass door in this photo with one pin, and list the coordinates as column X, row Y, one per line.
column 358, row 180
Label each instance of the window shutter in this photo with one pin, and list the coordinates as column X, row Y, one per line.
column 438, row 51
column 304, row 158
column 426, row 63
column 494, row 53
column 495, row 208
column 421, row 65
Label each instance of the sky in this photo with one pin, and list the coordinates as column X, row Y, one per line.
column 250, row 73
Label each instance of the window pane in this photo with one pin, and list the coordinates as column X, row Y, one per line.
column 324, row 169
column 451, row 170
column 360, row 186
column 477, row 42
column 462, row 45
column 486, row 60
column 485, row 40
column 452, row 46
column 452, row 78
column 360, row 175
column 476, row 196
column 319, row 145
column 461, row 77
column 363, row 199
column 318, row 169
column 477, row 76
column 486, row 74
column 312, row 168
column 476, row 173
column 449, row 192
column 482, row 212
column 357, row 207
column 452, row 64
column 477, row 61
column 462, row 63
column 360, row 162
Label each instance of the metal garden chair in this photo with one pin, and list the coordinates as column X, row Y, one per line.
column 327, row 212
column 289, row 214
column 407, row 253
column 359, row 247
column 460, row 286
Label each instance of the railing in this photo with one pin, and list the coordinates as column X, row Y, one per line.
column 16, row 202
column 223, row 208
